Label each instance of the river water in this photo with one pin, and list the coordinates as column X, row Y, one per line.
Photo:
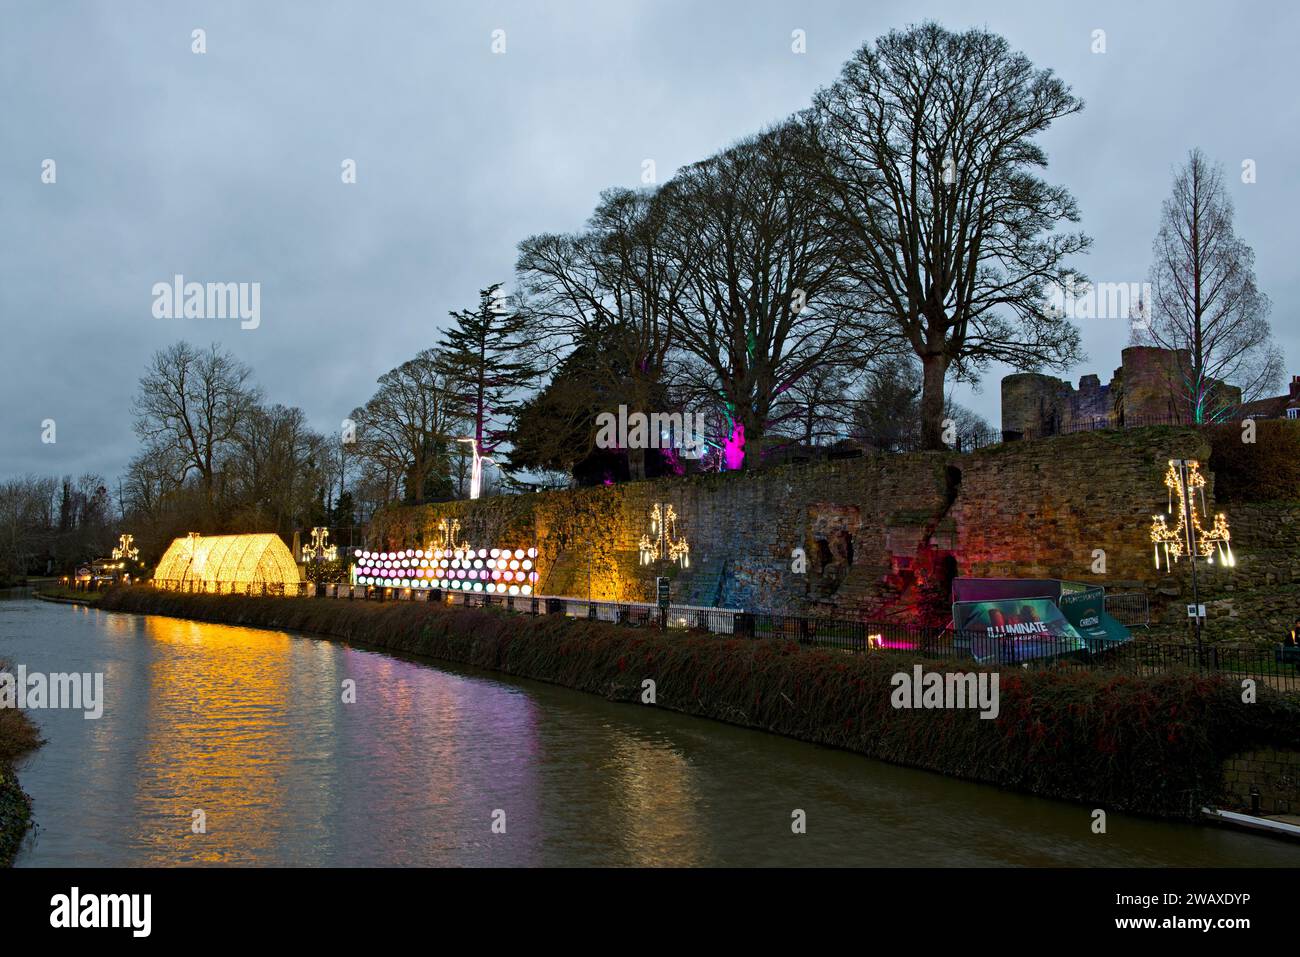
column 249, row 727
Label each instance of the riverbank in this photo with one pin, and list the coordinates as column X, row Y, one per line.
column 17, row 736
column 68, row 596
column 1148, row 745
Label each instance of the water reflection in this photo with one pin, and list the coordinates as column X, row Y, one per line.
column 251, row 728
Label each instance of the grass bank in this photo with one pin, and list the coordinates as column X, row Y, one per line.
column 1146, row 745
column 17, row 736
column 66, row 594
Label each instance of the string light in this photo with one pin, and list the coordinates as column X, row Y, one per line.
column 662, row 542
column 319, row 550
column 1184, row 540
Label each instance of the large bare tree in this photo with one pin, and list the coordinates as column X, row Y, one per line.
column 759, row 304
column 190, row 405
column 929, row 162
column 1205, row 304
column 611, row 284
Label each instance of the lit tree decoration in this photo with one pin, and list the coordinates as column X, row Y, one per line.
column 662, row 543
column 126, row 550
column 319, row 550
column 449, row 531
column 1184, row 481
column 476, row 469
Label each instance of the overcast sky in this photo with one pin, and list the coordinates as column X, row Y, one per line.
column 225, row 166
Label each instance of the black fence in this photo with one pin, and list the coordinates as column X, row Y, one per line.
column 1277, row 667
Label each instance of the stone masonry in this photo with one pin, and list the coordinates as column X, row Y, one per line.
column 880, row 535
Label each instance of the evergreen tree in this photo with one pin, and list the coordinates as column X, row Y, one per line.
column 482, row 356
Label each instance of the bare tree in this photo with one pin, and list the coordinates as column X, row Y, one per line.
column 276, row 472
column 406, row 429
column 611, row 284
column 758, row 302
column 928, row 159
column 189, row 407
column 1204, row 302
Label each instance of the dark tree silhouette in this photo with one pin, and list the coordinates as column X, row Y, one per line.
column 927, row 152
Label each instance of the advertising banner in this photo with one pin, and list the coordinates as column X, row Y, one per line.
column 1086, row 612
column 1011, row 630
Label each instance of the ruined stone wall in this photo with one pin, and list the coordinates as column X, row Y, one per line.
column 881, row 533
column 1142, row 392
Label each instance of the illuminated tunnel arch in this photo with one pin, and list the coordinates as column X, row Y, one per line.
column 209, row 563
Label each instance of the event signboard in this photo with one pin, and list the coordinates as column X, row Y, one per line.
column 1086, row 612
column 1011, row 630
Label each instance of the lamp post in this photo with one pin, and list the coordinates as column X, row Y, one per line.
column 1183, row 478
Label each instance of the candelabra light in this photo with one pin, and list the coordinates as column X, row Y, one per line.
column 449, row 530
column 319, row 550
column 662, row 543
column 1188, row 538
column 126, row 550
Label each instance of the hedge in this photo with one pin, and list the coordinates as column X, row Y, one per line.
column 1150, row 745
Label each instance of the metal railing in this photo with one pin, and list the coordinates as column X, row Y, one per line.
column 1132, row 609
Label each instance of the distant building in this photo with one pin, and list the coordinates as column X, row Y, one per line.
column 1139, row 393
column 1278, row 407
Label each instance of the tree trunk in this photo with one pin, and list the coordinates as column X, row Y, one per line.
column 934, row 368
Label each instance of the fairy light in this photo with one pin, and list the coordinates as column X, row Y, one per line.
column 662, row 543
column 320, row 550
column 1188, row 537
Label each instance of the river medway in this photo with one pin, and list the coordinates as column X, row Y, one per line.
column 247, row 732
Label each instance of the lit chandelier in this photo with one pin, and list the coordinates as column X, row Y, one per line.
column 662, row 543
column 126, row 549
column 318, row 550
column 449, row 531
column 1184, row 480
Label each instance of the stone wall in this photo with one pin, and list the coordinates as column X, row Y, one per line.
column 1274, row 773
column 881, row 535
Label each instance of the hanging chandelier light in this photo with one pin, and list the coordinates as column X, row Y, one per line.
column 662, row 543
column 1188, row 538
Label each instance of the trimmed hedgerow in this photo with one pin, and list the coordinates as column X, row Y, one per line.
column 1153, row 745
